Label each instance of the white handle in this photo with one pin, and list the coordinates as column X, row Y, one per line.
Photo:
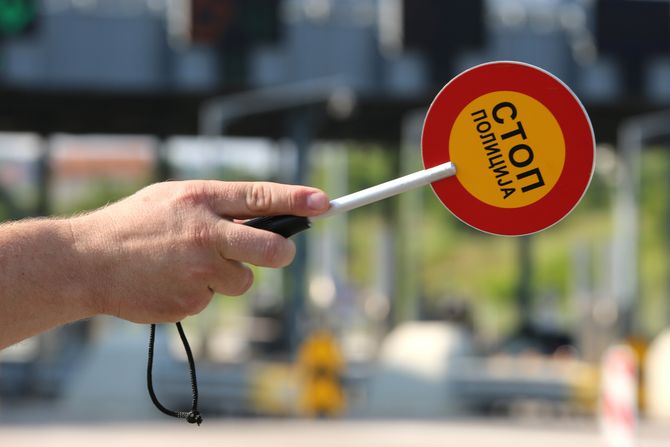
column 388, row 189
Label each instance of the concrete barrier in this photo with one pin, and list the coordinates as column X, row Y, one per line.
column 658, row 377
column 413, row 374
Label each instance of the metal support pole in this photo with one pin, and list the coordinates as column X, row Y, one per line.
column 625, row 283
column 408, row 291
column 525, row 285
column 43, row 206
column 300, row 128
column 399, row 306
column 633, row 135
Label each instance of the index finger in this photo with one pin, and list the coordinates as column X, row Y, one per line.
column 242, row 200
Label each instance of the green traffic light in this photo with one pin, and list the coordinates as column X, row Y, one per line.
column 16, row 15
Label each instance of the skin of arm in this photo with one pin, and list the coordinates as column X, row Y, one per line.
column 156, row 256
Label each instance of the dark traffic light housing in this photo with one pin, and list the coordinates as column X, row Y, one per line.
column 17, row 16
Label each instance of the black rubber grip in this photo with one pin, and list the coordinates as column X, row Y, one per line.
column 285, row 225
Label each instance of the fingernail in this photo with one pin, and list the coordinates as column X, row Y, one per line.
column 317, row 201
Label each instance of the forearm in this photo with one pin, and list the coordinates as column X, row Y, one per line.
column 43, row 282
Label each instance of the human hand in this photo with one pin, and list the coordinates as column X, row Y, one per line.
column 160, row 254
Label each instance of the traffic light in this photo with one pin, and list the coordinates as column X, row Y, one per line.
column 209, row 20
column 235, row 27
column 243, row 21
column 17, row 16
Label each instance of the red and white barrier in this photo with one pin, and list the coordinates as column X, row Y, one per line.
column 618, row 398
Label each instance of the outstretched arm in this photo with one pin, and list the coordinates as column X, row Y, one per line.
column 156, row 256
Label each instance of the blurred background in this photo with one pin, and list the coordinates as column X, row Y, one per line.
column 397, row 320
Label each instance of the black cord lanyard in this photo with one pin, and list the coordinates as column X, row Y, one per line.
column 193, row 416
column 282, row 225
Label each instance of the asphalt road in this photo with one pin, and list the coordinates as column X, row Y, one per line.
column 301, row 433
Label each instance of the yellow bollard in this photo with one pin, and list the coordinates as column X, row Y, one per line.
column 321, row 366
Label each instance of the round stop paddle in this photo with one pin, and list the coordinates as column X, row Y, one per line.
column 517, row 141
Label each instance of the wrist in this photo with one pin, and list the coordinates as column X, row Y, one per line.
column 90, row 255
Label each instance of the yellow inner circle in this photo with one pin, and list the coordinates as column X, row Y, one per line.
column 508, row 149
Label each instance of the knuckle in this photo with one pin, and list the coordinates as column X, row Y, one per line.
column 242, row 283
column 294, row 197
column 277, row 252
column 271, row 253
column 192, row 193
column 223, row 238
column 259, row 197
column 201, row 235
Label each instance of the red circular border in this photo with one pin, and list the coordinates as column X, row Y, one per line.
column 571, row 117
